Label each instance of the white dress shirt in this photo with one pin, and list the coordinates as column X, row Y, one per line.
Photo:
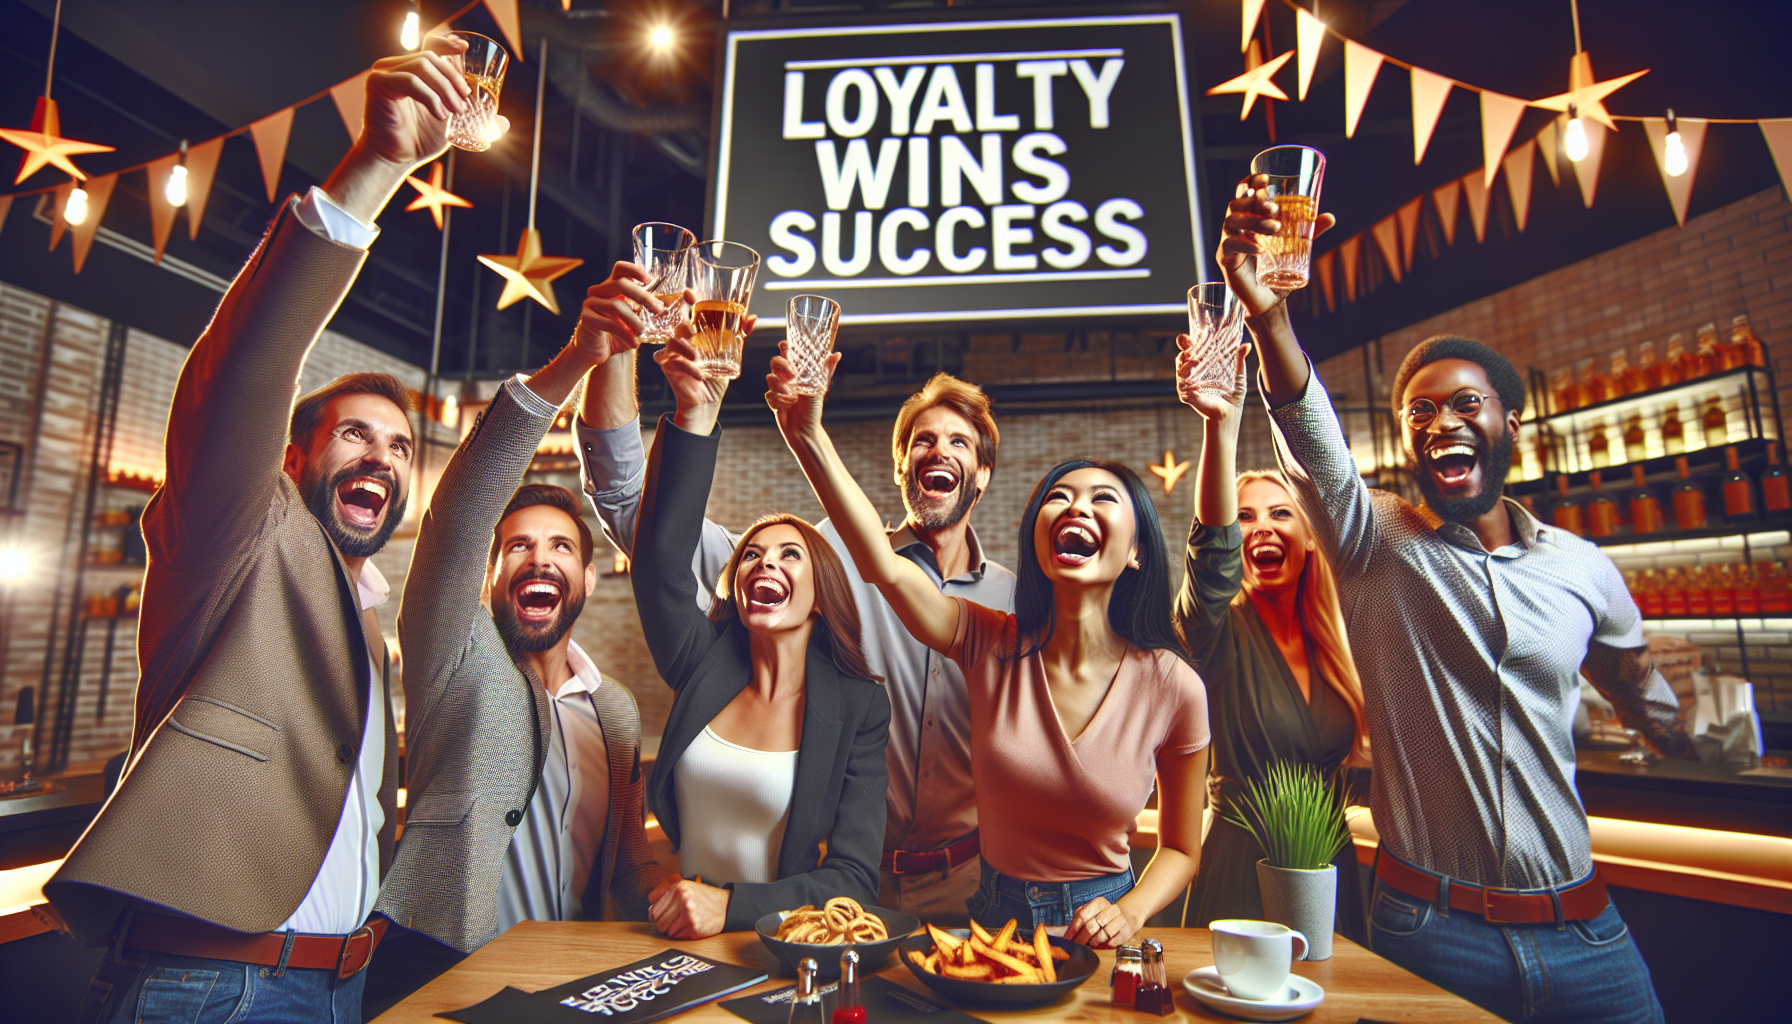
column 553, row 849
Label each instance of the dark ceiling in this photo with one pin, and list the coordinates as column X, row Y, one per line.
column 626, row 140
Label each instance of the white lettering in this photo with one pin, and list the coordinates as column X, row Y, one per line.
column 840, row 177
column 861, row 244
column 945, row 245
column 987, row 118
column 1004, row 236
column 785, row 234
column 794, row 125
column 1028, row 161
column 957, row 164
column 1052, row 223
column 943, row 101
column 1042, row 72
column 851, row 78
column 919, row 171
column 1107, row 221
column 916, row 260
column 900, row 94
column 1098, row 89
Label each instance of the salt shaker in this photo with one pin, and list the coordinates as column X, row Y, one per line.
column 805, row 1002
column 1128, row 966
column 1154, row 995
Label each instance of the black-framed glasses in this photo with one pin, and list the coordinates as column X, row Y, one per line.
column 1466, row 404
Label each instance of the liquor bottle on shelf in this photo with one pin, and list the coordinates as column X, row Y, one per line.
column 1599, row 446
column 1645, row 507
column 1673, row 432
column 1618, row 384
column 1714, row 423
column 1675, row 363
column 1566, row 513
column 1770, row 585
column 1561, row 390
column 1636, row 447
column 1776, row 487
column 1673, row 589
column 1739, row 490
column 1707, row 359
column 1630, row 376
column 1651, row 599
column 1689, row 499
column 1648, row 370
column 1720, row 583
column 1749, row 350
column 1587, row 386
column 1602, row 511
column 1743, row 595
column 1698, row 592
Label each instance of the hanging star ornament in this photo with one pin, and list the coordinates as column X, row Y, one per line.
column 431, row 194
column 529, row 274
column 1171, row 471
column 43, row 144
column 1255, row 82
column 1586, row 95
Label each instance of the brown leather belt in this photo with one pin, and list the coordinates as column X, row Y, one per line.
column 1581, row 901
column 185, row 936
column 910, row 862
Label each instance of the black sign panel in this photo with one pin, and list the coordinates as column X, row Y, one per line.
column 962, row 171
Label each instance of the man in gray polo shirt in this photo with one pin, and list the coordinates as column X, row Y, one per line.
column 944, row 447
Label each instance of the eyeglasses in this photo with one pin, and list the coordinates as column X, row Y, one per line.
column 1466, row 404
column 361, row 437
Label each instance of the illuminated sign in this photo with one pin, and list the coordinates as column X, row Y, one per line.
column 962, row 171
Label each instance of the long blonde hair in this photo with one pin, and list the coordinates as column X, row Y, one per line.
column 1323, row 620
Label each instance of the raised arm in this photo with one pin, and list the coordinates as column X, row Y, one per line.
column 1215, row 565
column 680, row 470
column 1250, row 215
column 1619, row 666
column 929, row 615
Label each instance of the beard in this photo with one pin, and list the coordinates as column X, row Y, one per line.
column 522, row 638
column 931, row 513
column 1495, row 459
column 354, row 542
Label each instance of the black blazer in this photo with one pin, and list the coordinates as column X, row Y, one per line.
column 834, row 836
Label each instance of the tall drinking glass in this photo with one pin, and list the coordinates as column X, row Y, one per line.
column 1295, row 174
column 483, row 63
column 722, row 275
column 664, row 250
column 1215, row 327
column 812, row 322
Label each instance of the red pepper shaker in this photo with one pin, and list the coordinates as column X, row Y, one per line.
column 1128, row 965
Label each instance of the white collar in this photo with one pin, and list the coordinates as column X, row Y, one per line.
column 585, row 676
column 371, row 587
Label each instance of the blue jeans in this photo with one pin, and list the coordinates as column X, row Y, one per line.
column 140, row 987
column 1586, row 972
column 999, row 897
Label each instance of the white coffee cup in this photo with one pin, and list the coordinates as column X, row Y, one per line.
column 1252, row 957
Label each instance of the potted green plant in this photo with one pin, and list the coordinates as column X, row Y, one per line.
column 1297, row 818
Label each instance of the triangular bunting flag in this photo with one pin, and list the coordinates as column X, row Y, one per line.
column 1474, row 189
column 5, row 208
column 202, row 167
column 1408, row 216
column 1309, row 33
column 99, row 193
column 1692, row 140
column 1499, row 119
column 1518, row 164
column 1587, row 171
column 1325, row 266
column 1549, row 142
column 1428, row 94
column 1387, row 239
column 1253, row 9
column 1778, row 132
column 504, row 13
column 1360, row 66
column 1347, row 257
column 59, row 203
column 270, row 135
column 350, row 98
column 161, row 211
column 1446, row 198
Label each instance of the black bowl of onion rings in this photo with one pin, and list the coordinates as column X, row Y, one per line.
column 825, row 932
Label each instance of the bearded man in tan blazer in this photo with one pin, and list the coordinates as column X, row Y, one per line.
column 233, row 871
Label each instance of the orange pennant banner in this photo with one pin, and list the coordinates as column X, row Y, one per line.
column 1325, row 266
column 1549, row 144
column 504, row 13
column 1778, row 132
column 1429, row 92
column 1253, row 9
column 1446, row 198
column 99, row 193
column 1587, row 171
column 1348, row 252
column 1692, row 141
column 1408, row 216
column 1309, row 33
column 5, row 208
column 270, row 135
column 59, row 203
column 350, row 98
column 1476, row 192
column 1387, row 239
column 1499, row 119
column 1518, row 164
column 161, row 211
column 1360, row 66
column 202, row 167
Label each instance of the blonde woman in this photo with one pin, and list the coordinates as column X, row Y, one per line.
column 1258, row 612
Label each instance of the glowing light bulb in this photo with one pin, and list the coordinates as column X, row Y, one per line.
column 1575, row 141
column 450, row 412
column 412, row 32
column 660, row 37
column 75, row 212
column 1673, row 151
column 14, row 564
column 176, row 190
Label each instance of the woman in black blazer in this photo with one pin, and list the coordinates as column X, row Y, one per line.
column 774, row 668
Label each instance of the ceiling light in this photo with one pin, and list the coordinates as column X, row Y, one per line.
column 176, row 189
column 660, row 37
column 412, row 32
column 75, row 212
column 14, row 564
column 1575, row 141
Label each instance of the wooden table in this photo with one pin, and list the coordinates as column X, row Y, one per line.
column 537, row 954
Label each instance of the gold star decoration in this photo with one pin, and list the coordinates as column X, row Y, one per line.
column 1255, row 82
column 43, row 144
column 529, row 274
column 431, row 194
column 1171, row 471
column 1586, row 95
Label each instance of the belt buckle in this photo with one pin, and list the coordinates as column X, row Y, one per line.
column 1487, row 904
column 347, row 942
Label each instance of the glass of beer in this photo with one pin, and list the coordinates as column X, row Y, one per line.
column 1215, row 327
column 663, row 250
column 1295, row 173
column 483, row 63
column 721, row 273
column 811, row 321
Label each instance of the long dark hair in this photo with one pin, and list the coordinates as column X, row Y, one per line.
column 1138, row 609
column 839, row 612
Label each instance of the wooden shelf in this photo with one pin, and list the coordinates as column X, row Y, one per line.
column 1705, row 463
column 1698, row 383
column 1773, row 525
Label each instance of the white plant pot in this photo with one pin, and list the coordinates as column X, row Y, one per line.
column 1306, row 901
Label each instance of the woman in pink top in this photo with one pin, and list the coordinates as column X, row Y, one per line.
column 1079, row 701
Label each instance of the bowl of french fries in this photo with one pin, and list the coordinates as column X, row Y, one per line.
column 827, row 931
column 975, row 965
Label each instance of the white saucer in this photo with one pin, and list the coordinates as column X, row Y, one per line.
column 1298, row 995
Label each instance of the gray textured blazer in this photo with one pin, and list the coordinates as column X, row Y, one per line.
column 477, row 722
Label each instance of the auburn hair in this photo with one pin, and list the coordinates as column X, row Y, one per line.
column 1322, row 619
column 834, row 602
column 967, row 400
